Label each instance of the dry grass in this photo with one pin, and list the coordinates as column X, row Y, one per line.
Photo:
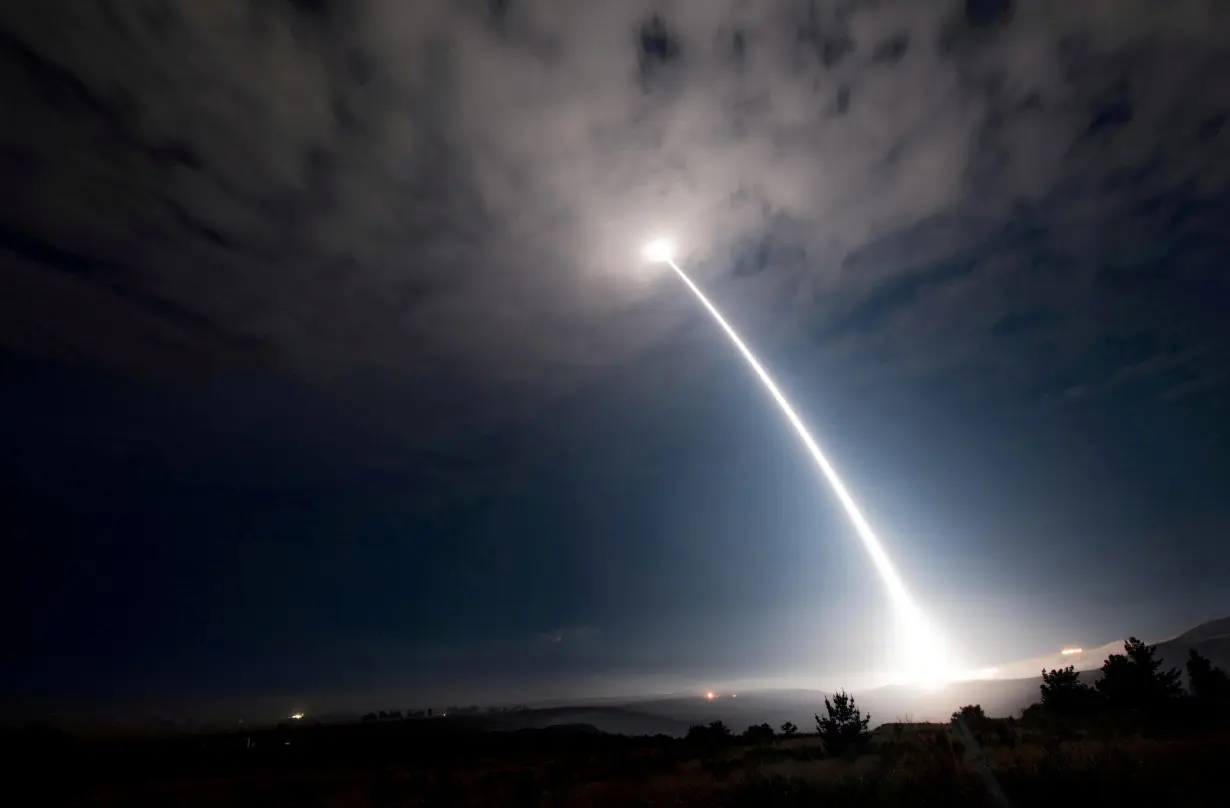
column 916, row 765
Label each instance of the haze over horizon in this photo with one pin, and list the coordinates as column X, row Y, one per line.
column 649, row 705
column 332, row 373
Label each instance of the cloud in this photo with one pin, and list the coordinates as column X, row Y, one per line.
column 571, row 635
column 453, row 194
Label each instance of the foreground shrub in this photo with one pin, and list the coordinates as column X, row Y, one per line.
column 941, row 789
column 844, row 728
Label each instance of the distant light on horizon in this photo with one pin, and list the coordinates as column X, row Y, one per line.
column 297, row 716
column 711, row 695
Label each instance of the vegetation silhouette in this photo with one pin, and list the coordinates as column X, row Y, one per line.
column 1134, row 681
column 1065, row 694
column 710, row 736
column 844, row 729
column 1133, row 692
column 971, row 714
column 1210, row 688
column 1122, row 734
column 759, row 734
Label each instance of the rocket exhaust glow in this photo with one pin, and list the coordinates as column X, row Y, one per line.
column 926, row 656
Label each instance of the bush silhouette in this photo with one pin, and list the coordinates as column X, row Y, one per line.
column 1064, row 694
column 789, row 729
column 759, row 734
column 972, row 715
column 1134, row 681
column 1210, row 688
column 712, row 735
column 844, row 729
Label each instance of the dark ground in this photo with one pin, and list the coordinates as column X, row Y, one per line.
column 445, row 762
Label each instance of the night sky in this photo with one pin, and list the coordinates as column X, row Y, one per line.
column 332, row 377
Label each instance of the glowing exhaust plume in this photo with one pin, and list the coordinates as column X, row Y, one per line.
column 1071, row 651
column 659, row 251
column 927, row 659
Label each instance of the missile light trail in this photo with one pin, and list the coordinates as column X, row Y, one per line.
column 927, row 660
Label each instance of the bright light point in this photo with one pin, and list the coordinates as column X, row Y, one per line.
column 710, row 695
column 925, row 660
column 297, row 716
column 659, row 251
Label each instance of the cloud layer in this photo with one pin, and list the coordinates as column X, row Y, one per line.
column 455, row 193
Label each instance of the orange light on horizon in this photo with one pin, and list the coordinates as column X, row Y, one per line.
column 711, row 695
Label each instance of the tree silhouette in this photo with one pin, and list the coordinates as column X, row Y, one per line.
column 972, row 714
column 1063, row 693
column 712, row 735
column 759, row 734
column 1210, row 685
column 789, row 729
column 844, row 729
column 1134, row 680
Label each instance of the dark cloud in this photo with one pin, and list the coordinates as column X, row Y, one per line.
column 1111, row 115
column 657, row 43
column 985, row 13
column 893, row 49
column 321, row 9
column 432, row 211
column 341, row 184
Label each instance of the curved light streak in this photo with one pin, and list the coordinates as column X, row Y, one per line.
column 925, row 652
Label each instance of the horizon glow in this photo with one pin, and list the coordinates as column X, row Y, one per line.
column 926, row 661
